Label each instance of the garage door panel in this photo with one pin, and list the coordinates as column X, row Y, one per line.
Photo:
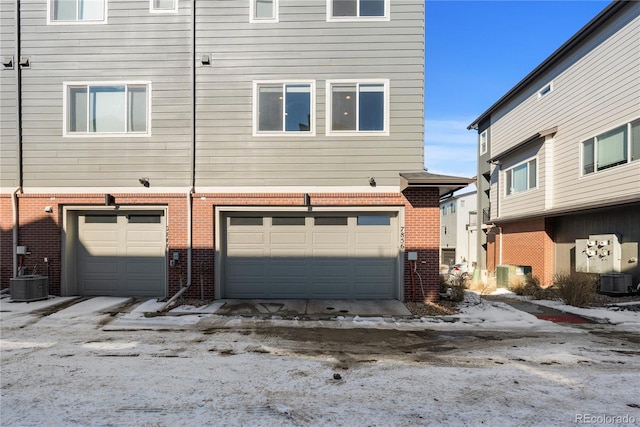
column 324, row 256
column 120, row 256
column 99, row 251
column 144, row 266
column 93, row 237
column 293, row 253
column 330, row 238
column 143, row 236
column 380, row 291
column 373, row 239
column 145, row 251
column 289, row 238
column 100, row 285
column 374, row 269
column 141, row 287
column 246, row 238
column 330, row 253
column 376, row 253
column 331, row 270
column 106, row 265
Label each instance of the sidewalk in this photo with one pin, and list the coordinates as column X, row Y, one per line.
column 539, row 311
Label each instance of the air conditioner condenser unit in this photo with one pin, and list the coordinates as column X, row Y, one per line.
column 615, row 283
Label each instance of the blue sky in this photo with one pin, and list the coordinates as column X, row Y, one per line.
column 475, row 52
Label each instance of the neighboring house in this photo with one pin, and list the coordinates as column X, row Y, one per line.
column 559, row 157
column 244, row 148
column 458, row 229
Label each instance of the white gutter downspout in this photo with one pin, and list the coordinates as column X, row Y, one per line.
column 14, row 209
column 193, row 161
column 500, row 244
column 14, row 195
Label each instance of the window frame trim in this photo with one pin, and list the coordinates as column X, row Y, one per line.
column 545, row 90
column 385, row 18
column 486, row 139
column 329, row 107
column 529, row 188
column 65, row 113
column 628, row 146
column 284, row 133
column 252, row 13
column 105, row 16
column 175, row 9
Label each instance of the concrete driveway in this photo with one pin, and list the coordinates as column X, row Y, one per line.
column 313, row 308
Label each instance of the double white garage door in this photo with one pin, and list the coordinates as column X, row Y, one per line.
column 305, row 255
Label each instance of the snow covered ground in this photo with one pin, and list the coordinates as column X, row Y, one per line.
column 87, row 365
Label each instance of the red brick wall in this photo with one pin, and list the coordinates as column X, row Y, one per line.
column 42, row 232
column 422, row 223
column 524, row 243
column 6, row 240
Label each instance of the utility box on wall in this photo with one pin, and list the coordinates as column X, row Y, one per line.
column 600, row 253
column 506, row 274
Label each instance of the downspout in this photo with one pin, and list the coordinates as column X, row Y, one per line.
column 500, row 247
column 191, row 191
column 14, row 208
column 14, row 195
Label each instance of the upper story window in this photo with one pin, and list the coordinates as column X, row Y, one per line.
column 612, row 148
column 521, row 177
column 263, row 11
column 284, row 108
column 357, row 107
column 483, row 143
column 349, row 10
column 163, row 6
column 77, row 11
column 107, row 109
column 546, row 89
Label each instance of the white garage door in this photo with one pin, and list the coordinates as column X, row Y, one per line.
column 121, row 254
column 338, row 255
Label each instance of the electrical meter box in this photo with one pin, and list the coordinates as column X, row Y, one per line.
column 600, row 253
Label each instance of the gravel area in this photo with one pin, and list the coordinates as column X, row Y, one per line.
column 421, row 309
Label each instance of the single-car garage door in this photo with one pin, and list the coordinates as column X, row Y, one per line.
column 328, row 255
column 121, row 253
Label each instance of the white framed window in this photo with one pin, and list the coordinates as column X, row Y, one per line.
column 483, row 143
column 358, row 10
column 76, row 11
column 163, row 6
column 615, row 147
column 107, row 109
column 521, row 177
column 546, row 89
column 356, row 107
column 264, row 11
column 284, row 108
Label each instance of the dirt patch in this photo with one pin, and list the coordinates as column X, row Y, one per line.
column 443, row 308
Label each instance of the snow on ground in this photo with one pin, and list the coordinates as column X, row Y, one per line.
column 495, row 365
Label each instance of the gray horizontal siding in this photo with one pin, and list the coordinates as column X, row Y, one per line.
column 303, row 46
column 9, row 179
column 137, row 45
column 595, row 90
column 133, row 45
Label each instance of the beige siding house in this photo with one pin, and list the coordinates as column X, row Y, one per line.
column 563, row 154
